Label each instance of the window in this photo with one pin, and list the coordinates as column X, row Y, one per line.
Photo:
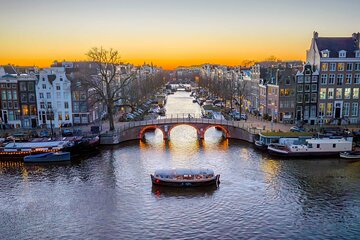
column 330, row 93
column 307, row 97
column 349, row 67
column 66, row 105
column 48, row 95
column 9, row 94
column 41, row 95
column 31, row 86
column 4, row 105
column 307, row 79
column 314, row 98
column 23, row 87
column 57, row 86
column 307, row 87
column 338, row 94
column 42, row 105
column 25, row 110
column 332, row 66
column 24, row 97
column 60, row 116
column 314, row 88
column 322, row 93
column 8, row 85
column 313, row 111
column 300, row 88
column 49, row 105
column 329, row 110
column 325, row 53
column 10, row 106
column 67, row 116
column 66, row 95
column 341, row 66
column 44, row 86
column 299, row 98
column 321, row 109
column 3, row 94
column 11, row 116
column 300, row 79
column 347, row 93
column 354, row 109
column 31, row 97
column 314, row 78
column 323, row 79
column 348, row 78
column 357, row 54
column 16, row 105
column 334, row 145
column 14, row 94
column 357, row 79
column 58, row 104
column 13, row 85
column 58, row 95
column 346, row 109
column 324, row 67
column 342, row 54
column 357, row 66
column 340, row 79
column 332, row 79
column 355, row 93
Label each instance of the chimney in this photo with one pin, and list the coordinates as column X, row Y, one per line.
column 315, row 35
column 356, row 37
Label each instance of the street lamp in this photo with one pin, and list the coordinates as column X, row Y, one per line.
column 50, row 113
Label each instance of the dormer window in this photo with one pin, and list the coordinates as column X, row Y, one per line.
column 357, row 54
column 342, row 54
column 325, row 54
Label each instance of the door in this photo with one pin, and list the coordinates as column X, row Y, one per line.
column 338, row 107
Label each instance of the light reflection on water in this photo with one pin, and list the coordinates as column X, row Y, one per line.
column 110, row 196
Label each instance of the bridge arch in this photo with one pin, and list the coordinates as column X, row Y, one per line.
column 198, row 132
column 150, row 127
column 220, row 127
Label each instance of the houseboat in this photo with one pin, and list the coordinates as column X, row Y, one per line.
column 267, row 138
column 185, row 177
column 18, row 150
column 331, row 146
column 48, row 157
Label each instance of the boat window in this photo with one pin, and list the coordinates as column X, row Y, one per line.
column 318, row 145
column 310, row 145
column 334, row 145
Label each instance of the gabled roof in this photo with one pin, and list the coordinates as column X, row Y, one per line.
column 336, row 44
column 51, row 78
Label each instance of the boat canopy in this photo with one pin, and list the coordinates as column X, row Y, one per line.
column 183, row 171
column 29, row 145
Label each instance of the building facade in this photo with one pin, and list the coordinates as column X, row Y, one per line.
column 338, row 60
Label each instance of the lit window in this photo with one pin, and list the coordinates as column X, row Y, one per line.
column 324, row 67
column 338, row 93
column 322, row 93
column 330, row 93
column 347, row 93
column 325, row 54
column 355, row 93
column 341, row 66
column 348, row 78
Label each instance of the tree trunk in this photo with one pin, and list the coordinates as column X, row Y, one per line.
column 110, row 109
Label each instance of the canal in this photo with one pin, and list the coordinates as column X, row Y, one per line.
column 110, row 196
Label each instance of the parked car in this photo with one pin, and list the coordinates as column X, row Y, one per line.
column 243, row 116
column 297, row 129
column 67, row 133
column 44, row 133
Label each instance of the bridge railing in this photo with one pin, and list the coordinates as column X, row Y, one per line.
column 186, row 119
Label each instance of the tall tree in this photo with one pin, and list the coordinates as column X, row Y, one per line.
column 109, row 84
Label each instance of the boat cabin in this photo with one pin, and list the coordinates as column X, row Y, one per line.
column 184, row 174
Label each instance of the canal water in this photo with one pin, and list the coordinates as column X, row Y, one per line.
column 110, row 196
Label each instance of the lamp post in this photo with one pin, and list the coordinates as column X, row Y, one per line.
column 50, row 114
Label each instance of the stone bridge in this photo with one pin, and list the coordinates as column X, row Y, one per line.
column 135, row 130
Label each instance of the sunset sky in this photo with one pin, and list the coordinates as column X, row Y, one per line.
column 168, row 32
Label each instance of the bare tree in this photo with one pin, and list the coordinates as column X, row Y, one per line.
column 108, row 85
column 241, row 92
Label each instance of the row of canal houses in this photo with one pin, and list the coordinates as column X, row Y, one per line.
column 33, row 97
column 323, row 90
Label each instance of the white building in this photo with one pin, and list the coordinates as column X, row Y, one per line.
column 53, row 93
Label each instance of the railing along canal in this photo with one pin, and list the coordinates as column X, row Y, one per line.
column 188, row 119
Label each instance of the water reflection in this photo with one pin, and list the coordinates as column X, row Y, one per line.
column 161, row 191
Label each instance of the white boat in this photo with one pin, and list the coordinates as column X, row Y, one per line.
column 48, row 157
column 185, row 177
column 313, row 147
column 350, row 155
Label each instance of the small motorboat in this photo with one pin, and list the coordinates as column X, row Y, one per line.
column 185, row 177
column 48, row 157
column 350, row 155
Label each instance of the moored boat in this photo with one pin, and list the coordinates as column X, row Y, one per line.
column 350, row 155
column 267, row 138
column 313, row 147
column 185, row 177
column 48, row 157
